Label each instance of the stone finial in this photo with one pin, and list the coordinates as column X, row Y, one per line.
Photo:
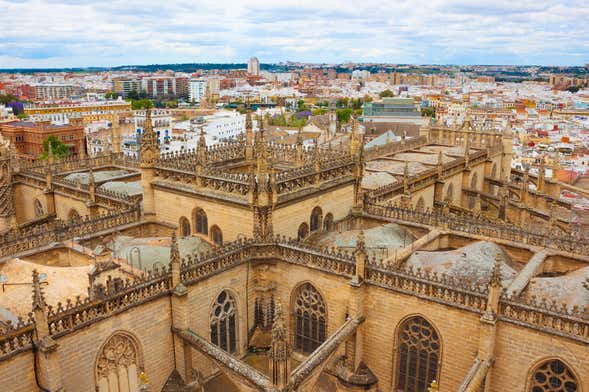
column 149, row 150
column 279, row 353
column 92, row 185
column 50, row 155
column 278, row 324
column 508, row 129
column 174, row 251
column 495, row 280
column 406, row 178
column 178, row 288
column 38, row 296
column 248, row 121
column 361, row 242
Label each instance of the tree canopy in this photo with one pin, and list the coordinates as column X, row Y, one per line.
column 386, row 93
column 60, row 150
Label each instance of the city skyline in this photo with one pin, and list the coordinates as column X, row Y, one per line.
column 47, row 34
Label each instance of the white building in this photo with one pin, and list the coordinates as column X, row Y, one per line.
column 223, row 125
column 196, row 89
column 360, row 74
column 253, row 66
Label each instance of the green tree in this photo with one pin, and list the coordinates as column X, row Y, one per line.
column 344, row 115
column 137, row 104
column 573, row 89
column 428, row 112
column 386, row 93
column 133, row 94
column 4, row 99
column 60, row 150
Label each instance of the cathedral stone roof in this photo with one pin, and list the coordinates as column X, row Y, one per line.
column 62, row 283
column 473, row 262
column 565, row 289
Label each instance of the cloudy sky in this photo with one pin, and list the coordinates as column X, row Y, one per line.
column 71, row 33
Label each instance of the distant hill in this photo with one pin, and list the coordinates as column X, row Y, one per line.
column 190, row 67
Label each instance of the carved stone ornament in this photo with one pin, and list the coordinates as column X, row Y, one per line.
column 119, row 351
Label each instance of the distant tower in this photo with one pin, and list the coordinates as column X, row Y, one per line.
column 149, row 153
column 253, row 66
column 332, row 120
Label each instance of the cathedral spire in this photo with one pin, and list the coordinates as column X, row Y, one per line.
column 279, row 350
column 249, row 137
column 149, row 149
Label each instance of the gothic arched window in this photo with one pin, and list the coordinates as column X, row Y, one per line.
column 118, row 365
column 316, row 217
column 224, row 322
column 184, row 227
column 303, row 231
column 553, row 376
column 201, row 223
column 418, row 355
column 38, row 208
column 216, row 235
column 310, row 319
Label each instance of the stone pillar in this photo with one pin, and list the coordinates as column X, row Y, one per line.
column 488, row 330
column 47, row 357
column 91, row 202
column 180, row 314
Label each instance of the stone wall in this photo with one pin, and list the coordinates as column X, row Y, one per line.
column 149, row 324
column 17, row 373
column 287, row 219
column 233, row 221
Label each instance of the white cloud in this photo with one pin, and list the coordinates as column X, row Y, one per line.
column 42, row 33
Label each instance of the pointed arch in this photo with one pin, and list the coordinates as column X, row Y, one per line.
column 201, row 221
column 418, row 354
column 328, row 222
column 474, row 181
column 38, row 208
column 216, row 235
column 303, row 231
column 184, row 225
column 223, row 322
column 420, row 204
column 449, row 192
column 118, row 363
column 316, row 219
column 552, row 375
column 309, row 318
column 73, row 215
